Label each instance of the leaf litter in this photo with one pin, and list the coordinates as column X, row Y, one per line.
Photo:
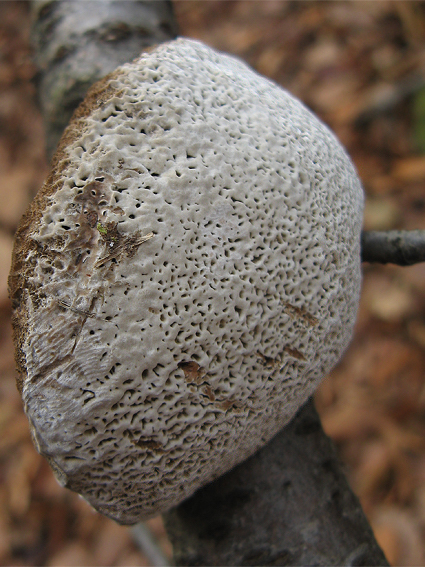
column 361, row 67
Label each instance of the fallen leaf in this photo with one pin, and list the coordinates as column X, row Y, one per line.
column 381, row 214
column 409, row 169
column 110, row 542
column 6, row 246
column 72, row 555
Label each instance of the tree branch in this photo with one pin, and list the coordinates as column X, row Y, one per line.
column 401, row 247
column 289, row 504
column 78, row 42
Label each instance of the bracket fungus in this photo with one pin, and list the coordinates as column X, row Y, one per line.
column 186, row 276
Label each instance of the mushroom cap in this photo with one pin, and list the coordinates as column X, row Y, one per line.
column 186, row 276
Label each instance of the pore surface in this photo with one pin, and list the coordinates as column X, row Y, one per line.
column 186, row 276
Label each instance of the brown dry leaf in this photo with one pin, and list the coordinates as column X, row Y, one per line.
column 270, row 61
column 133, row 559
column 399, row 439
column 373, row 173
column 414, row 277
column 16, row 186
column 72, row 555
column 343, row 422
column 349, row 14
column 7, row 413
column 20, row 477
column 381, row 184
column 387, row 298
column 389, row 540
column 19, row 494
column 110, row 543
column 365, row 102
column 90, row 522
column 381, row 214
column 45, row 485
column 325, row 53
column 156, row 526
column 420, row 500
column 329, row 96
column 400, row 464
column 409, row 169
column 56, row 519
column 240, row 40
column 384, row 58
column 391, row 304
column 413, row 24
column 408, row 549
column 5, row 539
column 6, row 246
column 393, row 371
column 416, row 331
column 371, row 471
column 16, row 431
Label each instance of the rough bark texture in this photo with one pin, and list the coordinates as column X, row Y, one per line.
column 289, row 504
column 78, row 42
column 401, row 247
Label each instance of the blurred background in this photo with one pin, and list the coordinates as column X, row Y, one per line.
column 361, row 67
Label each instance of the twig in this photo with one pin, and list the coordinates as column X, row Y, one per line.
column 147, row 544
column 401, row 247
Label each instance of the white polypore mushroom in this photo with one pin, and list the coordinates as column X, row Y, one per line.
column 184, row 279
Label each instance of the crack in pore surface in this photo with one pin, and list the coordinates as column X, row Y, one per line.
column 59, row 361
column 49, row 367
column 88, row 313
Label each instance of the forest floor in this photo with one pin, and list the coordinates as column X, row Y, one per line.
column 361, row 67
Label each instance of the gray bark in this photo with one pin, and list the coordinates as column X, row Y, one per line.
column 77, row 42
column 401, row 247
column 290, row 503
